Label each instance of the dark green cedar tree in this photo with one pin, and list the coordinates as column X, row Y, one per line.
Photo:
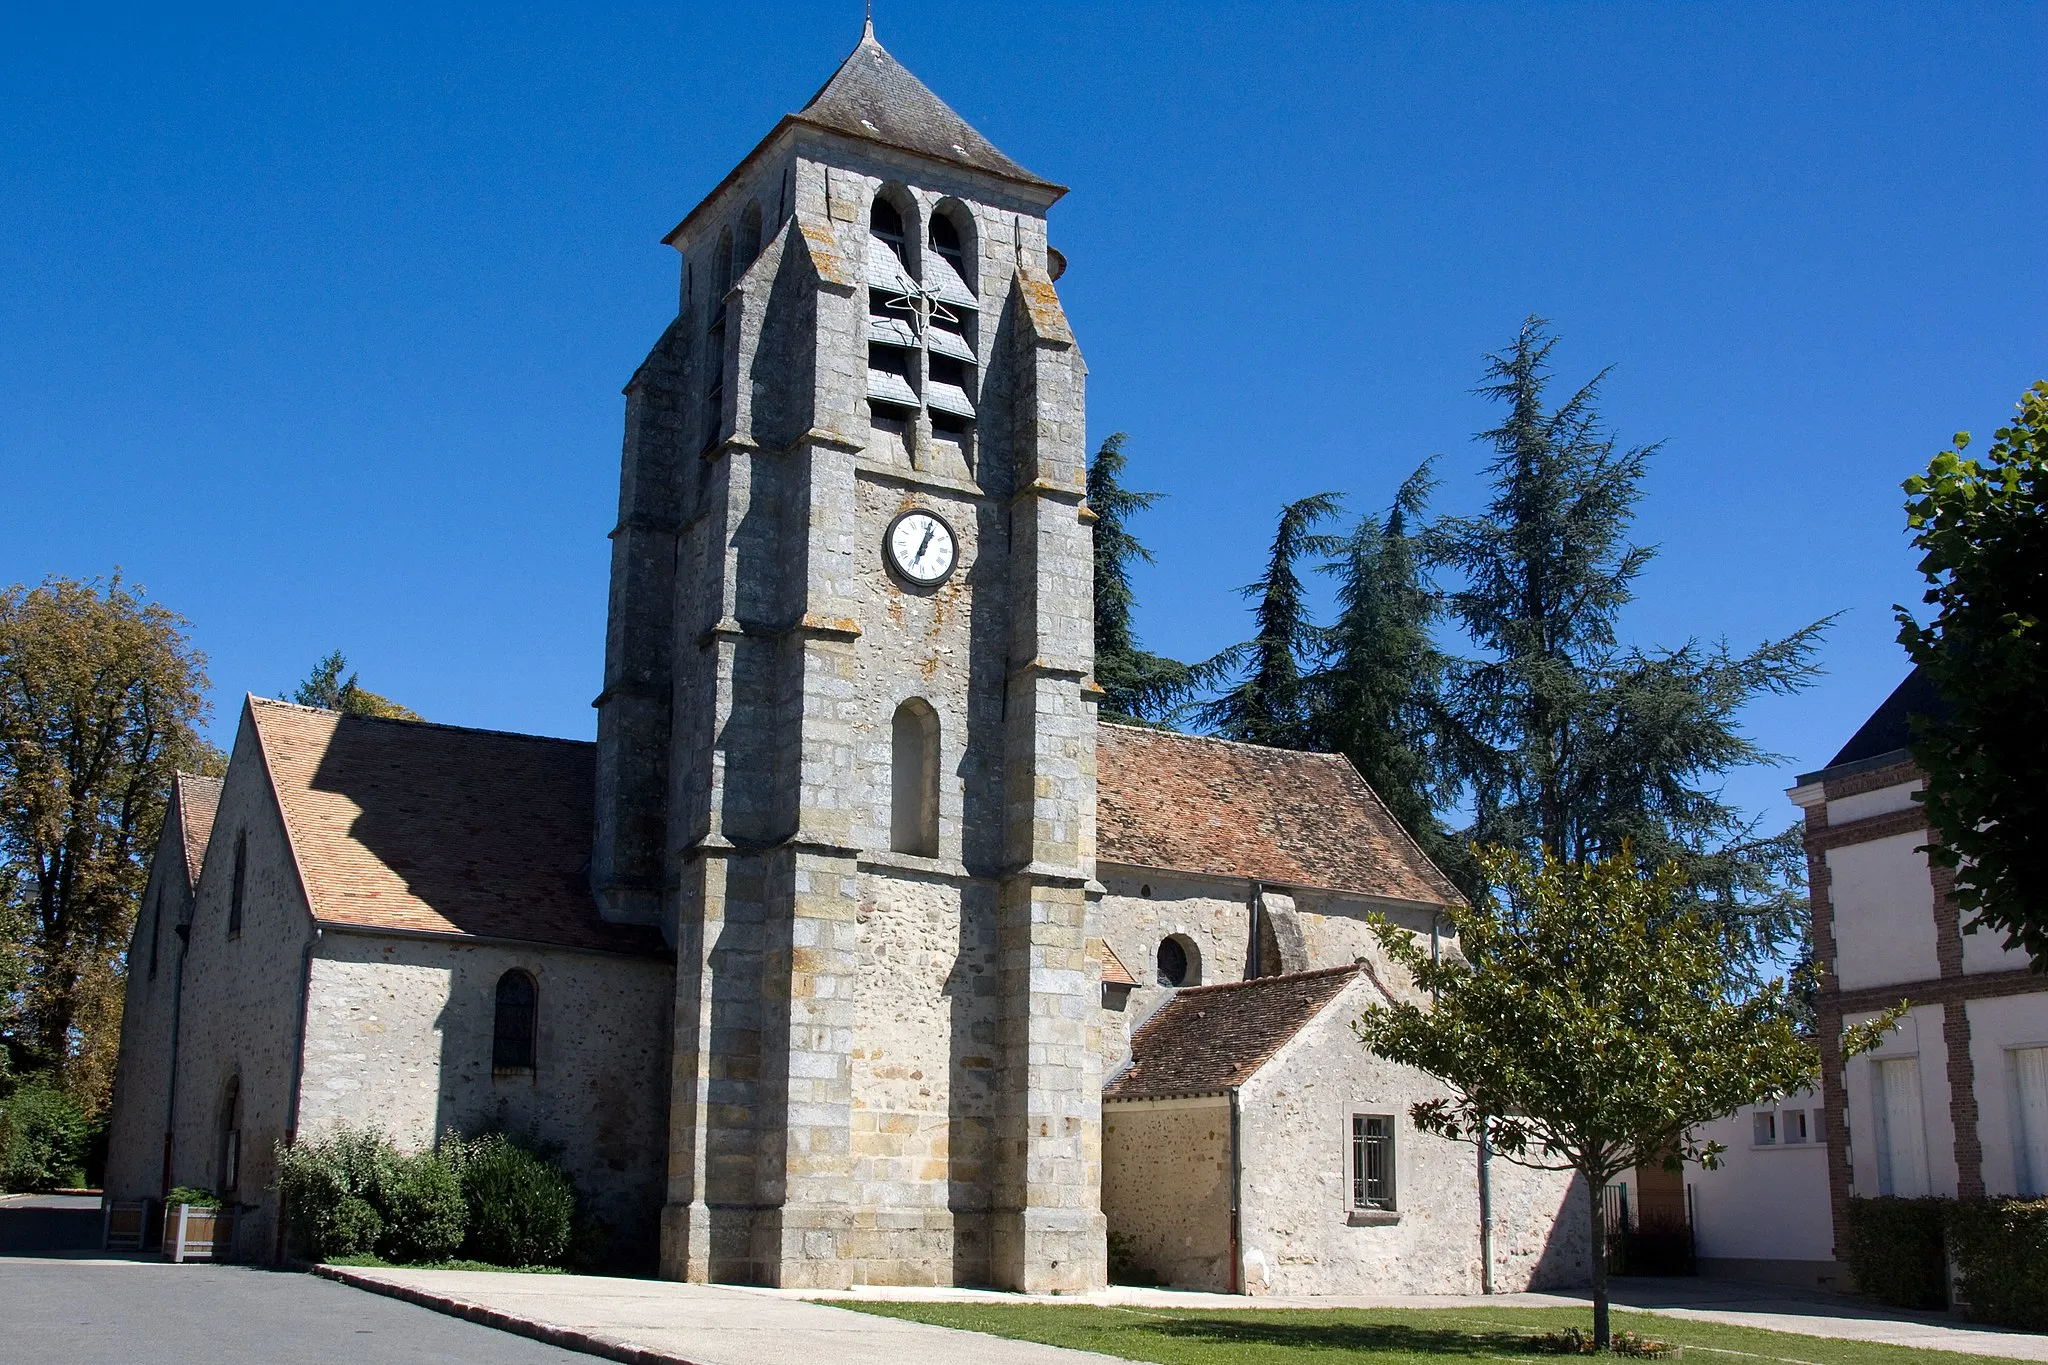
column 1138, row 686
column 1567, row 744
column 1269, row 701
column 325, row 687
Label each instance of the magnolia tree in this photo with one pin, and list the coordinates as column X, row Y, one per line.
column 1982, row 528
column 1590, row 1023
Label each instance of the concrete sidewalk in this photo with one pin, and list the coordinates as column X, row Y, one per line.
column 650, row 1321
column 659, row 1322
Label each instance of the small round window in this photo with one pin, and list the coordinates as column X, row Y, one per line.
column 1176, row 962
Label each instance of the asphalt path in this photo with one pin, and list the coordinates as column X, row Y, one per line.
column 119, row 1312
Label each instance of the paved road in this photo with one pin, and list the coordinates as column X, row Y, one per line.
column 96, row 1312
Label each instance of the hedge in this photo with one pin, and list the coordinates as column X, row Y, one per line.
column 2000, row 1247
column 1894, row 1249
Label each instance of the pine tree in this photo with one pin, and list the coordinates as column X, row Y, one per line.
column 1377, row 700
column 1139, row 687
column 1269, row 703
column 1567, row 744
column 325, row 687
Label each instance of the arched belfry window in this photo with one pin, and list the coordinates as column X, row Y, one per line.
column 914, row 780
column 885, row 221
column 518, row 1014
column 946, row 243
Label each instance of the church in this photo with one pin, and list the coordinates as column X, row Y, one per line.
column 855, row 950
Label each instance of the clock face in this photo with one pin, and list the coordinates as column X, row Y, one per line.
column 920, row 547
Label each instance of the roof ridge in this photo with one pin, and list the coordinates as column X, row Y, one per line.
column 1219, row 739
column 1282, row 979
column 432, row 724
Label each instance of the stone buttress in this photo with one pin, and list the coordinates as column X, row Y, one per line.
column 884, row 1063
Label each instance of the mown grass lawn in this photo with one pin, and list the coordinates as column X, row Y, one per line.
column 1390, row 1336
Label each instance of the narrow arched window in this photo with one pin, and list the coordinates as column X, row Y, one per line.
column 231, row 1137
column 885, row 221
column 512, row 1036
column 156, row 928
column 749, row 244
column 914, row 780
column 240, row 886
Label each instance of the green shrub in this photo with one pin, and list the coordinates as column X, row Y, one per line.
column 196, row 1197
column 354, row 1193
column 43, row 1137
column 425, row 1215
column 522, row 1208
column 2001, row 1249
column 1894, row 1248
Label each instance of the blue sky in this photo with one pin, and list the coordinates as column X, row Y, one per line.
column 314, row 319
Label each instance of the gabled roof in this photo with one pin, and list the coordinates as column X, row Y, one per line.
column 1193, row 804
column 197, row 798
column 1208, row 1039
column 1114, row 973
column 408, row 825
column 1889, row 730
column 873, row 97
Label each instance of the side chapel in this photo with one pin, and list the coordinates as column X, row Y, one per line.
column 855, row 950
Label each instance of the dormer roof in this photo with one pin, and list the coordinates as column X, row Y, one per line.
column 872, row 96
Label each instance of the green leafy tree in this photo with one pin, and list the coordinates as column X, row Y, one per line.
column 1378, row 698
column 325, row 687
column 1588, row 1023
column 101, row 696
column 1982, row 529
column 1269, row 702
column 1139, row 687
column 1562, row 739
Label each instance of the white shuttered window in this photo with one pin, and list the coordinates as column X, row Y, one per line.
column 2030, row 1126
column 1901, row 1134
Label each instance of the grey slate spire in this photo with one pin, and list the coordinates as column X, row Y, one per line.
column 873, row 96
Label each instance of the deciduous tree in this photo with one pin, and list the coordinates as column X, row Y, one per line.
column 1588, row 1022
column 1981, row 526
column 101, row 694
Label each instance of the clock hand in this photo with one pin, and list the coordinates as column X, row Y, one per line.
column 929, row 527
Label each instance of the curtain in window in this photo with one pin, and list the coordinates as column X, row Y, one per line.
column 1901, row 1133
column 2030, row 1129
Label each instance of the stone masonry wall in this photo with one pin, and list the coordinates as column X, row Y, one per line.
column 1299, row 1234
column 398, row 1038
column 241, row 1001
column 142, row 1076
column 1166, row 1190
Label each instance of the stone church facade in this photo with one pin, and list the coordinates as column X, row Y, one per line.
column 815, row 965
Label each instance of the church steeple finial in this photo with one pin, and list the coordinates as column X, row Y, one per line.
column 867, row 29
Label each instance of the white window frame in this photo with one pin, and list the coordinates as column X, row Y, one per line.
column 1356, row 1201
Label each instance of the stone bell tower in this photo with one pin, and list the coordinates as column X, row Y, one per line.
column 846, row 743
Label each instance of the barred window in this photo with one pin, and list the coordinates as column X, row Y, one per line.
column 1372, row 1161
column 512, row 1047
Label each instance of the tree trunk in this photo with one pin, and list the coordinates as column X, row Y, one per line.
column 1595, row 1215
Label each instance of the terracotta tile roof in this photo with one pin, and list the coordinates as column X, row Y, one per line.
column 1193, row 804
column 197, row 797
column 409, row 825
column 1210, row 1038
column 1114, row 973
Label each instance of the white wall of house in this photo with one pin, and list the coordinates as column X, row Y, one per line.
column 1763, row 1213
column 2009, row 1053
